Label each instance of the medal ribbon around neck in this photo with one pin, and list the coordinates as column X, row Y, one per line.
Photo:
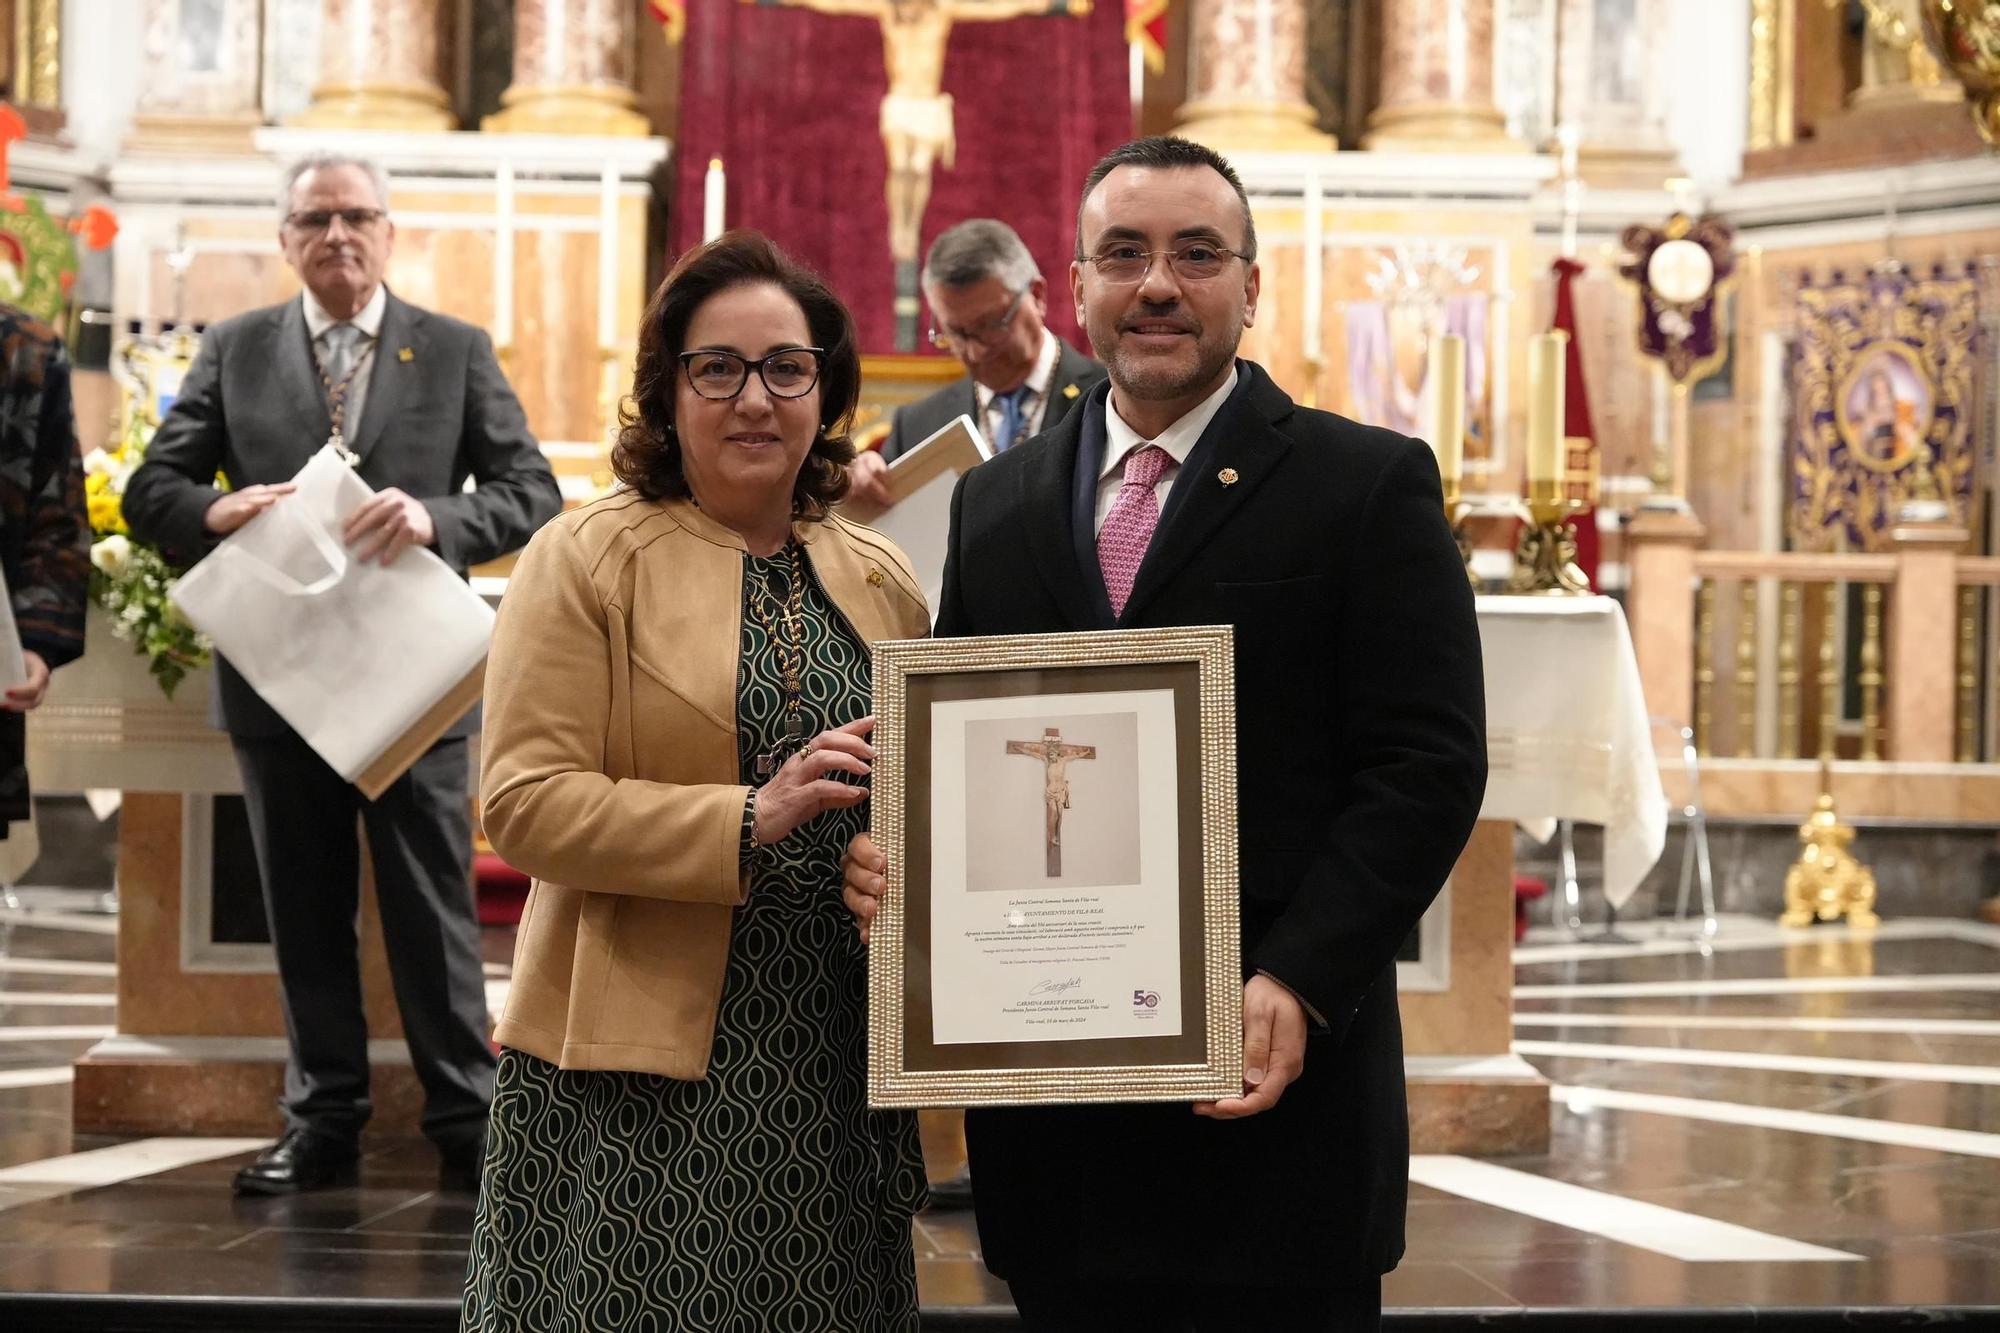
column 336, row 396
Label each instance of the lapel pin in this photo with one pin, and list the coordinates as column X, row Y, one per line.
column 1227, row 476
column 874, row 577
column 1071, row 391
column 405, row 354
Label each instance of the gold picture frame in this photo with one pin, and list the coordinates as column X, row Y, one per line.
column 1113, row 976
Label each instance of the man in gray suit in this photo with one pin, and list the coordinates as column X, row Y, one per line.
column 988, row 305
column 420, row 405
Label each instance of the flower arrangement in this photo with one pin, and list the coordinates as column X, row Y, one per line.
column 130, row 579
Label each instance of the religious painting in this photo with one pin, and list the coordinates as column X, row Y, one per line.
column 203, row 56
column 1060, row 923
column 1884, row 408
column 1388, row 364
column 1884, row 394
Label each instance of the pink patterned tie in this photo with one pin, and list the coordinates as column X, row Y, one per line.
column 1135, row 511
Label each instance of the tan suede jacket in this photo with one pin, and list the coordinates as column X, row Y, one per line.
column 610, row 768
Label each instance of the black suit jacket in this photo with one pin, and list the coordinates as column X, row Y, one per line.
column 1361, row 762
column 252, row 407
column 918, row 421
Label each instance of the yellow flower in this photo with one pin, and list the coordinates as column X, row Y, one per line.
column 107, row 515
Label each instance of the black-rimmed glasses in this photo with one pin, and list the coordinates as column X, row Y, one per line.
column 319, row 219
column 789, row 372
column 945, row 338
column 1126, row 262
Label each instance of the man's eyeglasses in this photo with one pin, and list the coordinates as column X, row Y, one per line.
column 944, row 338
column 319, row 219
column 789, row 372
column 1124, row 263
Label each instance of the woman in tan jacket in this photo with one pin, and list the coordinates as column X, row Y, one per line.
column 676, row 748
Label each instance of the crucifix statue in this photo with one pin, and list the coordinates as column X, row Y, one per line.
column 1055, row 757
column 916, row 120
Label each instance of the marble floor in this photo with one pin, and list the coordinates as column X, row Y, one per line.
column 1772, row 1129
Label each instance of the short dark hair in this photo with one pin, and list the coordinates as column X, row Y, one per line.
column 1167, row 150
column 647, row 455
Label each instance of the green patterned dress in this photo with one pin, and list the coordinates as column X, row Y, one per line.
column 765, row 1198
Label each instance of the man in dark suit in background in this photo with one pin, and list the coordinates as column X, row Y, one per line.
column 988, row 305
column 421, row 405
column 1195, row 492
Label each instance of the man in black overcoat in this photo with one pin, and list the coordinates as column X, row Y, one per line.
column 1361, row 761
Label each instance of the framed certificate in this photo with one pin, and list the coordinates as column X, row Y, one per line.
column 1059, row 924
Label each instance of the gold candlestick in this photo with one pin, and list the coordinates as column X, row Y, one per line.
column 1545, row 557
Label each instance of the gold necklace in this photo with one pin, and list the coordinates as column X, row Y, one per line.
column 787, row 635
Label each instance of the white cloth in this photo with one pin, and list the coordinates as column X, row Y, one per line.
column 1566, row 730
column 1178, row 440
column 1036, row 406
column 368, row 320
column 352, row 654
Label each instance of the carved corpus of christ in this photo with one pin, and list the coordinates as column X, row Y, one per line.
column 1055, row 757
column 916, row 119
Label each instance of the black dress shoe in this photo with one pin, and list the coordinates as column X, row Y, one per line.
column 301, row 1160
column 459, row 1166
column 953, row 1194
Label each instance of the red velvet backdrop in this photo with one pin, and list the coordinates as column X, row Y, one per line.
column 790, row 100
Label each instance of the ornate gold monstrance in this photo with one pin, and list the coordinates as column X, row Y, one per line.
column 1827, row 882
column 916, row 121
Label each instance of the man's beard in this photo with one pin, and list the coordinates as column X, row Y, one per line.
column 1148, row 380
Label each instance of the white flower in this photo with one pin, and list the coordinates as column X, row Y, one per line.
column 113, row 555
column 96, row 462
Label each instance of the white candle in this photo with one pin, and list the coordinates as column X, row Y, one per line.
column 607, row 258
column 503, row 258
column 712, row 201
column 1546, row 353
column 1448, row 394
column 1315, row 258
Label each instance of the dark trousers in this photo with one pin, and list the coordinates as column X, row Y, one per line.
column 302, row 820
column 1096, row 1307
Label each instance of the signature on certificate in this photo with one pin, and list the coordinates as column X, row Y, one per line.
column 1055, row 985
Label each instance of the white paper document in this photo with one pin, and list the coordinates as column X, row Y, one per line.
column 13, row 667
column 1055, row 868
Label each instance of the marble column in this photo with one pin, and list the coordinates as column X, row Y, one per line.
column 1247, row 78
column 1437, row 79
column 201, row 95
column 573, row 69
column 1612, row 89
column 379, row 68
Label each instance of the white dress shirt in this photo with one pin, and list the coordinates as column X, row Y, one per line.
column 1178, row 440
column 369, row 320
column 1034, row 407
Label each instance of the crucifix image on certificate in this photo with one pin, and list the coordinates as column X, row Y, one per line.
column 1055, row 757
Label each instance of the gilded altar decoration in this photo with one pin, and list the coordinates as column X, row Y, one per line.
column 1681, row 270
column 1965, row 37
column 1828, row 882
column 1883, row 403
